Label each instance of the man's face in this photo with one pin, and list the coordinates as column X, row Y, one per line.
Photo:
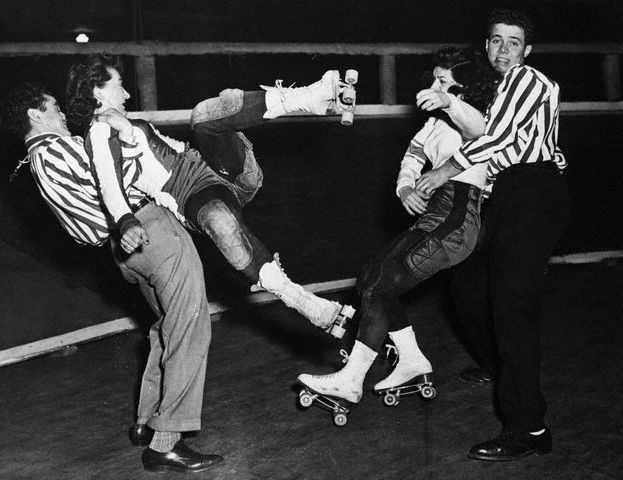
column 51, row 118
column 112, row 94
column 506, row 47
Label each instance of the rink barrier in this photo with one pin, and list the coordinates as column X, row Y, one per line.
column 145, row 53
column 120, row 325
column 164, row 118
column 125, row 324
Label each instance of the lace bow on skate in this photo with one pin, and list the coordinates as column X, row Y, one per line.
column 281, row 89
column 344, row 355
column 391, row 350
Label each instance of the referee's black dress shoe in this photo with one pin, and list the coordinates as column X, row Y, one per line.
column 476, row 376
column 512, row 446
column 140, row 435
column 181, row 458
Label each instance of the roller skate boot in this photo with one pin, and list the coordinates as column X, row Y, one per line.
column 422, row 384
column 339, row 391
column 412, row 372
column 326, row 314
column 329, row 95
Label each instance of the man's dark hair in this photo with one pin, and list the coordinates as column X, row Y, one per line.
column 83, row 77
column 511, row 17
column 16, row 104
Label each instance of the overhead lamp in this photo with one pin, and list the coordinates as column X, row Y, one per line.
column 82, row 38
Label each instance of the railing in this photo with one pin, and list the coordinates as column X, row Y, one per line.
column 145, row 64
column 144, row 54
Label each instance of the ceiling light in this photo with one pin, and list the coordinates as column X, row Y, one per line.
column 82, row 38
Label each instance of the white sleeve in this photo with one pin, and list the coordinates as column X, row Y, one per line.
column 468, row 119
column 414, row 158
column 111, row 190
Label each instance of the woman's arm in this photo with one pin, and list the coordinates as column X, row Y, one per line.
column 107, row 176
column 414, row 159
column 468, row 119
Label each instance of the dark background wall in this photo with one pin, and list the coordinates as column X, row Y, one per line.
column 300, row 20
column 328, row 201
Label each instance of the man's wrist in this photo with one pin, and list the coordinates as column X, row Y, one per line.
column 453, row 167
column 126, row 222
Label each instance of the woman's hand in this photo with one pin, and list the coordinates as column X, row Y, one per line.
column 119, row 122
column 413, row 201
column 430, row 99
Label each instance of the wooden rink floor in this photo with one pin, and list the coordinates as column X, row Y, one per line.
column 67, row 417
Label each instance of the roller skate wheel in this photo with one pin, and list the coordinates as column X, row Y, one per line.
column 337, row 331
column 428, row 393
column 340, row 419
column 347, row 118
column 390, row 400
column 305, row 399
column 348, row 311
column 349, row 95
column 351, row 76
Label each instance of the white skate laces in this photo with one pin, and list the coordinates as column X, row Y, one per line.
column 327, row 95
column 314, row 98
column 391, row 350
column 341, row 384
column 328, row 315
column 345, row 356
column 409, row 361
column 346, row 383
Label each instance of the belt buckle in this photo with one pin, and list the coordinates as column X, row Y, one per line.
column 142, row 203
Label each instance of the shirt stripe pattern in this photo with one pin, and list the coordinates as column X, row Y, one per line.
column 65, row 177
column 62, row 172
column 521, row 125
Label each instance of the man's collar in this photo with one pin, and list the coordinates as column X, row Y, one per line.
column 36, row 140
column 514, row 67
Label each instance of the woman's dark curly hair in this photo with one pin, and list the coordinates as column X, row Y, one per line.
column 83, row 77
column 477, row 80
column 16, row 104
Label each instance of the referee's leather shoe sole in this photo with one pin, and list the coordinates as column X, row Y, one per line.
column 512, row 446
column 140, row 435
column 181, row 459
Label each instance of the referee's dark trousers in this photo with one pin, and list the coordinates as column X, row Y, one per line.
column 498, row 290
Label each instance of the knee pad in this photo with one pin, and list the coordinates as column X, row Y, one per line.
column 229, row 102
column 227, row 232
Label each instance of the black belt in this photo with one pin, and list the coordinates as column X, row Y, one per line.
column 142, row 203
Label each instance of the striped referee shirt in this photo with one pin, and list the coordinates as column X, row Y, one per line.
column 521, row 125
column 63, row 173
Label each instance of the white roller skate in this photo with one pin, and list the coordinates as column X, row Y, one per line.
column 338, row 391
column 329, row 95
column 413, row 372
column 326, row 314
